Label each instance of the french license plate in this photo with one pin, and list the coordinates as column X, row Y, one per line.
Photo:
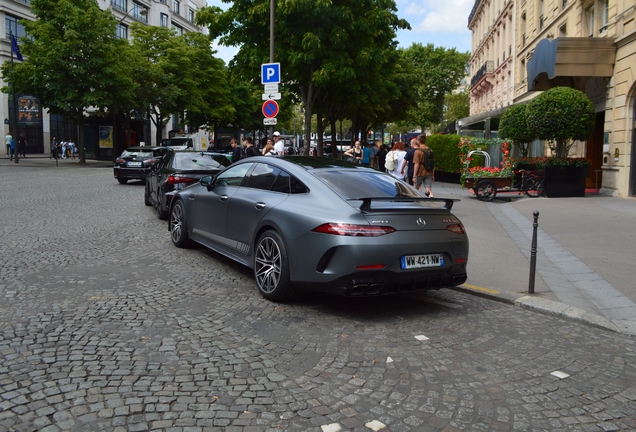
column 136, row 164
column 421, row 261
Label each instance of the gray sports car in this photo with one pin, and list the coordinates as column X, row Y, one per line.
column 318, row 224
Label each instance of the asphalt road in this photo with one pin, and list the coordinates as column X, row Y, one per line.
column 106, row 326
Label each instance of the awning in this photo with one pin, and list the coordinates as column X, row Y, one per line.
column 566, row 60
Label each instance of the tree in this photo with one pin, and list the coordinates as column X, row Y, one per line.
column 513, row 126
column 319, row 43
column 434, row 72
column 457, row 106
column 561, row 116
column 73, row 61
column 178, row 74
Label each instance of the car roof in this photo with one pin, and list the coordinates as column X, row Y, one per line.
column 143, row 148
column 316, row 162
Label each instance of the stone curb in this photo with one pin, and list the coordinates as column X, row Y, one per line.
column 547, row 307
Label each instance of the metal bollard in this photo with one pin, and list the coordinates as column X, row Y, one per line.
column 533, row 253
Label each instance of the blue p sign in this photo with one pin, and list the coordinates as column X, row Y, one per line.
column 270, row 73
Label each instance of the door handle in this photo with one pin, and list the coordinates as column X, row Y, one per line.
column 260, row 205
column 223, row 197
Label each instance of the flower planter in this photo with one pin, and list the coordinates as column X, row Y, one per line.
column 499, row 182
column 564, row 182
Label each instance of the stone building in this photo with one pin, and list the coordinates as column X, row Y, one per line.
column 523, row 47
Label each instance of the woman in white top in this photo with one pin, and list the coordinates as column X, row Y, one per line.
column 398, row 152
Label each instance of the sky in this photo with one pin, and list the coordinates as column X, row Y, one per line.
column 440, row 22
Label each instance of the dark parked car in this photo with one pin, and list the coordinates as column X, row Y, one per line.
column 312, row 223
column 135, row 162
column 175, row 171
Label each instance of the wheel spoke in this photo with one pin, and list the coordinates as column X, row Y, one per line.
column 267, row 262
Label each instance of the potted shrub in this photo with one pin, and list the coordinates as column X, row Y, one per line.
column 561, row 116
column 473, row 171
column 513, row 127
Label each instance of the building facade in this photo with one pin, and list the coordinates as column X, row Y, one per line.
column 589, row 45
column 41, row 127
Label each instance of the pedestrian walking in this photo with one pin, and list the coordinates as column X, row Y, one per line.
column 53, row 148
column 408, row 162
column 238, row 152
column 395, row 160
column 22, row 145
column 7, row 140
column 382, row 152
column 11, row 149
column 423, row 167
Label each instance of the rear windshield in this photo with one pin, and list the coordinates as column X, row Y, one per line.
column 198, row 161
column 140, row 154
column 359, row 184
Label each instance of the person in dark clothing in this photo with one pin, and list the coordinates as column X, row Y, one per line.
column 22, row 145
column 408, row 161
column 249, row 147
column 237, row 153
column 382, row 157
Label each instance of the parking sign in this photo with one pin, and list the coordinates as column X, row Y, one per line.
column 270, row 73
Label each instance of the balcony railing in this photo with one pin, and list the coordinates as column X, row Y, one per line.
column 487, row 67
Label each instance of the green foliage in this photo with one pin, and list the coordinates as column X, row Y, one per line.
column 457, row 106
column 178, row 74
column 433, row 72
column 560, row 116
column 446, row 152
column 544, row 162
column 513, row 126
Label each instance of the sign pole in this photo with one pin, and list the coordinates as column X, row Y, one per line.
column 14, row 103
column 271, row 46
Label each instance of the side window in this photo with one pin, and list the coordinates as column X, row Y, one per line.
column 281, row 184
column 263, row 177
column 297, row 187
column 233, row 176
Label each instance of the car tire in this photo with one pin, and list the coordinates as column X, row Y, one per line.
column 271, row 268
column 122, row 180
column 161, row 213
column 179, row 225
column 147, row 197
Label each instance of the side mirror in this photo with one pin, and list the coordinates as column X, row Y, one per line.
column 207, row 181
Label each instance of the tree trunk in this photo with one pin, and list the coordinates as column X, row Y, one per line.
column 320, row 129
column 334, row 141
column 80, row 137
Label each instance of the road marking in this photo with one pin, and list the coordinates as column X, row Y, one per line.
column 482, row 289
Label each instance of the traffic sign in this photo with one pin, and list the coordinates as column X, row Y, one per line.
column 270, row 88
column 274, row 96
column 270, row 108
column 270, row 73
column 269, row 121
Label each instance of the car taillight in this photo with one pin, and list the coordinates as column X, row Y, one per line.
column 353, row 230
column 178, row 179
column 120, row 160
column 456, row 228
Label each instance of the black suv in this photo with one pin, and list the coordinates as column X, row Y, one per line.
column 135, row 162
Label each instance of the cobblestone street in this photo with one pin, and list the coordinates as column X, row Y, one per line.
column 106, row 326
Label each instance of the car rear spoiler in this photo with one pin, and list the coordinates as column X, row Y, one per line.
column 366, row 201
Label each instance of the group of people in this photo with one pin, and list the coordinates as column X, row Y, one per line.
column 63, row 149
column 10, row 143
column 274, row 147
column 405, row 164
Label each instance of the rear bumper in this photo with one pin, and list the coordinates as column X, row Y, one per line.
column 379, row 283
column 131, row 173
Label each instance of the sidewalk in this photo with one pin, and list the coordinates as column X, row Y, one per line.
column 585, row 249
